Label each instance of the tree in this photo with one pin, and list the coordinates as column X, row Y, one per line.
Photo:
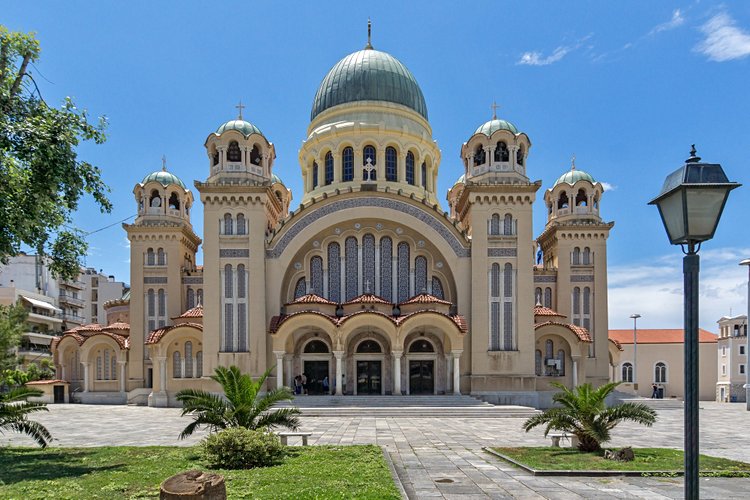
column 42, row 177
column 241, row 406
column 13, row 412
column 584, row 413
column 12, row 325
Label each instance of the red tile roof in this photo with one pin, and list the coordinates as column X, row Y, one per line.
column 546, row 311
column 367, row 298
column 277, row 321
column 156, row 335
column 425, row 298
column 117, row 326
column 311, row 298
column 617, row 344
column 659, row 336
column 580, row 331
column 195, row 312
column 47, row 382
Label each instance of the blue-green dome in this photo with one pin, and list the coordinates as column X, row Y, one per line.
column 245, row 128
column 369, row 75
column 494, row 125
column 460, row 180
column 573, row 176
column 164, row 178
column 275, row 178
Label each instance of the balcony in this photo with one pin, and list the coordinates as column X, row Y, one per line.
column 66, row 298
column 72, row 318
column 76, row 283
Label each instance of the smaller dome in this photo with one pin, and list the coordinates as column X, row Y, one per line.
column 573, row 176
column 164, row 178
column 460, row 180
column 494, row 125
column 275, row 178
column 245, row 128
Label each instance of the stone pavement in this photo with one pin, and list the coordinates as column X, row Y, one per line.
column 442, row 457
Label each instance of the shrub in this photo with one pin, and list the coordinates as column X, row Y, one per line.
column 240, row 448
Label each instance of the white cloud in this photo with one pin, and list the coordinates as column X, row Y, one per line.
column 607, row 186
column 655, row 289
column 536, row 59
column 677, row 20
column 126, row 242
column 724, row 40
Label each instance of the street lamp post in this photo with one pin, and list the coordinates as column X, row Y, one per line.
column 635, row 352
column 746, row 262
column 690, row 204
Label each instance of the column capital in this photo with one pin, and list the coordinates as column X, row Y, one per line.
column 397, row 354
column 279, row 354
column 121, row 361
column 161, row 359
column 338, row 354
column 457, row 354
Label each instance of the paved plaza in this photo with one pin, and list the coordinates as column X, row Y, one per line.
column 427, row 452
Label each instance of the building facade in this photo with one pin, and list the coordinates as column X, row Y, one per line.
column 99, row 289
column 732, row 359
column 368, row 282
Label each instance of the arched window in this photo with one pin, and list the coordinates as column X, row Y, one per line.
column 548, row 297
column 348, row 164
column 501, row 152
column 577, row 306
column 420, row 275
column 316, row 347
column 424, row 175
column 421, row 345
column 576, row 256
column 403, row 271
column 314, row 175
column 351, row 257
column 241, row 281
column 300, row 288
column 369, row 153
column 190, row 298
column 215, row 157
column 660, row 373
column 176, row 365
column 627, row 372
column 586, row 256
column 368, row 263
column 538, row 363
column 508, row 225
column 495, row 307
column 561, row 362
column 151, row 303
column 508, row 307
column 255, row 155
column 495, row 281
column 162, row 303
column 241, row 224
column 316, row 275
column 386, row 268
column 155, row 200
column 391, row 170
column 329, row 168
column 228, row 224
column 199, row 364
column 161, row 258
column 242, row 327
column 549, row 350
column 369, row 346
column 233, row 152
column 113, row 366
column 581, row 198
column 174, row 201
column 480, row 157
column 150, row 257
column 334, row 272
column 99, row 371
column 106, row 364
column 228, row 279
column 410, row 168
column 562, row 202
column 437, row 288
column 538, row 296
column 519, row 156
column 188, row 359
column 495, row 224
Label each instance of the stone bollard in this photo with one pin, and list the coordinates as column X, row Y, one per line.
column 194, row 485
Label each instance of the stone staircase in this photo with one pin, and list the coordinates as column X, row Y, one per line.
column 405, row 406
column 659, row 404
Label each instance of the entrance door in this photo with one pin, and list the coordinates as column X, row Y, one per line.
column 316, row 372
column 59, row 393
column 369, row 375
column 421, row 376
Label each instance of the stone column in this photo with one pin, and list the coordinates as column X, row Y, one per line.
column 575, row 370
column 397, row 372
column 448, row 374
column 288, row 370
column 121, row 362
column 339, row 379
column 86, row 376
column 457, row 372
column 162, row 362
column 401, row 167
column 63, row 372
column 279, row 368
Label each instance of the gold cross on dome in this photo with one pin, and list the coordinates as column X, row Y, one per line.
column 494, row 110
column 573, row 162
column 164, row 162
column 240, row 106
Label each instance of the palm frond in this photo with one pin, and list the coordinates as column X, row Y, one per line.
column 283, row 417
column 33, row 429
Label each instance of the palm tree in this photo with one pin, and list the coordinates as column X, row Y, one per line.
column 584, row 414
column 241, row 406
column 13, row 411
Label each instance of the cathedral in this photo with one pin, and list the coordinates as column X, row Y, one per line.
column 367, row 286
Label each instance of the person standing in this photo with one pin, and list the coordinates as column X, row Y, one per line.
column 654, row 391
column 326, row 387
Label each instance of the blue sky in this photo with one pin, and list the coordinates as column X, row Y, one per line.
column 625, row 86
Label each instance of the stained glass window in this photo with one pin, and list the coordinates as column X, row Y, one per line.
column 329, row 168
column 420, row 275
column 586, row 256
column 390, row 164
column 240, row 224
column 316, row 347
column 151, row 303
column 334, row 272
column 228, row 328
column 199, row 364
column 299, row 289
column 403, row 271
column 549, row 349
column 386, row 268
column 113, row 366
column 495, row 281
column 508, row 326
column 368, row 263
column 241, row 281
column 161, row 260
column 437, row 288
column 538, row 363
column 369, row 152
column 508, row 225
column 352, row 267
column 106, row 364
column 348, row 164
column 495, row 326
column 316, row 275
column 190, row 298
column 577, row 306
column 495, row 224
column 162, row 303
column 99, row 366
column 233, row 152
column 228, row 224
column 150, row 260
column 587, row 300
column 369, row 346
column 242, row 327
column 548, row 297
column 228, row 281
column 315, row 175
column 176, row 365
column 508, row 280
column 188, row 359
column 424, row 175
column 410, row 168
column 576, row 256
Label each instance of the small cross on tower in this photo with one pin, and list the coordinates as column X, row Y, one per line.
column 240, row 106
column 494, row 110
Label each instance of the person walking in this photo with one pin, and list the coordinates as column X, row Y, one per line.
column 654, row 391
column 326, row 387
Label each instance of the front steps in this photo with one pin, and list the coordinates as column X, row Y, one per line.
column 405, row 406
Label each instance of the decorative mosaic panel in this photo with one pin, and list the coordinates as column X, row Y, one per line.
column 234, row 252
column 502, row 252
column 368, row 263
column 334, row 272
column 351, row 256
column 437, row 288
column 386, row 268
column 155, row 280
column 316, row 275
column 420, row 275
column 545, row 279
column 372, row 202
column 192, row 280
column 582, row 278
column 403, row 271
column 300, row 288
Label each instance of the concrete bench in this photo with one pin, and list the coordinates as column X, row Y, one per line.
column 286, row 435
column 556, row 437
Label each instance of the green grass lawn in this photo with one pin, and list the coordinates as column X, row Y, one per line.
column 646, row 459
column 136, row 472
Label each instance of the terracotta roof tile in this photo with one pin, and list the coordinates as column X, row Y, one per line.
column 156, row 335
column 277, row 321
column 546, row 311
column 117, row 326
column 47, row 382
column 659, row 336
column 367, row 298
column 195, row 312
column 617, row 344
column 311, row 298
column 582, row 334
column 425, row 298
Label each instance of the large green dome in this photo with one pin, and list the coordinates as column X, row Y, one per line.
column 164, row 178
column 369, row 75
column 573, row 176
